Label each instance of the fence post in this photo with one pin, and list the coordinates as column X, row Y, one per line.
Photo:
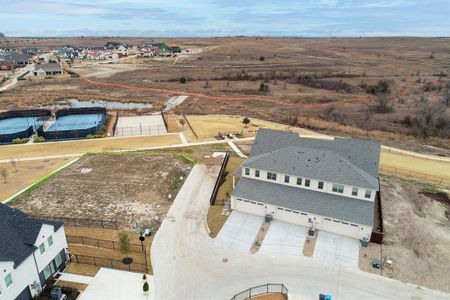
column 76, row 256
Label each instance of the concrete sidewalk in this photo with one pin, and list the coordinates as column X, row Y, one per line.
column 75, row 278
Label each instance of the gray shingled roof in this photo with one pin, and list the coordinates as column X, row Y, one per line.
column 323, row 204
column 51, row 67
column 342, row 160
column 18, row 234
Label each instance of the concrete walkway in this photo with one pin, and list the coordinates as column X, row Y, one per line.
column 236, row 149
column 75, row 278
column 188, row 265
column 183, row 139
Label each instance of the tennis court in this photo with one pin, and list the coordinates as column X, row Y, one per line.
column 14, row 125
column 76, row 122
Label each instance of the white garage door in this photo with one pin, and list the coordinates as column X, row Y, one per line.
column 344, row 228
column 251, row 207
column 291, row 216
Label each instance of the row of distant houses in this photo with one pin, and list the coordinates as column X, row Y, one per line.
column 11, row 59
column 115, row 50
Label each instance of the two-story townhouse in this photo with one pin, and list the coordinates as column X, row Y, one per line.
column 329, row 185
column 31, row 251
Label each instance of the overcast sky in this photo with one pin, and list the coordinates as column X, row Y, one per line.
column 308, row 18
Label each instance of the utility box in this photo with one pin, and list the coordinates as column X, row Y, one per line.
column 376, row 263
column 56, row 293
column 311, row 231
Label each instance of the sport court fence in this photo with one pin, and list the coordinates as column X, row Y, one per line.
column 269, row 288
column 74, row 133
column 108, row 263
column 140, row 130
column 78, row 222
column 105, row 244
column 41, row 114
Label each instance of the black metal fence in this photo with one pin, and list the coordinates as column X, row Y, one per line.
column 269, row 288
column 78, row 222
column 99, row 243
column 108, row 263
column 219, row 179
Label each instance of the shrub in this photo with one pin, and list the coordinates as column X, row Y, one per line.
column 38, row 139
column 20, row 141
column 183, row 80
column 381, row 87
column 145, row 287
column 262, row 58
column 144, row 277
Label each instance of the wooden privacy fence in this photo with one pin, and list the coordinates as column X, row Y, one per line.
column 78, row 222
column 99, row 243
column 415, row 174
column 108, row 263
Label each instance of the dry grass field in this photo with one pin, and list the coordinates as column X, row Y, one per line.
column 294, row 71
column 135, row 190
column 88, row 145
column 23, row 173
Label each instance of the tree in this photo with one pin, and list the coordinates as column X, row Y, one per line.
column 182, row 122
column 246, row 121
column 4, row 174
column 13, row 163
column 367, row 118
column 183, row 80
column 262, row 58
column 124, row 243
column 145, row 287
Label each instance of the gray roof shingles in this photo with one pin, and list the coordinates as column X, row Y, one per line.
column 323, row 204
column 342, row 160
column 19, row 233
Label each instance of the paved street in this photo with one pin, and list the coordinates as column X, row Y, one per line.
column 188, row 264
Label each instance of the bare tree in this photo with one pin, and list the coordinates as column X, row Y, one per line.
column 14, row 163
column 4, row 174
column 367, row 118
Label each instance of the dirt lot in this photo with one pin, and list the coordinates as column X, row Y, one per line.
column 23, row 173
column 81, row 146
column 132, row 189
column 417, row 236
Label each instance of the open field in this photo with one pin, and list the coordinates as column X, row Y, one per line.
column 81, row 146
column 294, row 72
column 208, row 126
column 417, row 235
column 135, row 190
column 23, row 173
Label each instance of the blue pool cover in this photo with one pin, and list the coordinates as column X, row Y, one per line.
column 76, row 122
column 14, row 125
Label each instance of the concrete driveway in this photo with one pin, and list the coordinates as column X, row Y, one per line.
column 284, row 238
column 187, row 264
column 337, row 250
column 239, row 231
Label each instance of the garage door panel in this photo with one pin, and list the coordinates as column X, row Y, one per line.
column 340, row 228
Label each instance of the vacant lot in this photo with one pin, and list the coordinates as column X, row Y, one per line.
column 417, row 235
column 21, row 174
column 82, row 146
column 208, row 126
column 136, row 190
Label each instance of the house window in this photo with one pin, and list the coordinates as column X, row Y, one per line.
column 320, row 185
column 256, row 173
column 355, row 191
column 50, row 241
column 247, row 171
column 58, row 260
column 47, row 272
column 368, row 194
column 42, row 248
column 299, row 181
column 338, row 188
column 8, row 280
column 307, row 182
column 271, row 176
column 286, row 178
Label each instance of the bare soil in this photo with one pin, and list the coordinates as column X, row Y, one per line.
column 136, row 190
column 417, row 235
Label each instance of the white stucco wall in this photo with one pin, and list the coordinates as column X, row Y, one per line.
column 342, row 227
column 23, row 275
column 328, row 186
column 59, row 243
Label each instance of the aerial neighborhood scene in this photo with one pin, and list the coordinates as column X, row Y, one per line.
column 229, row 150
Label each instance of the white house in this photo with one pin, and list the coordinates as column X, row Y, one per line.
column 31, row 251
column 50, row 69
column 329, row 185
